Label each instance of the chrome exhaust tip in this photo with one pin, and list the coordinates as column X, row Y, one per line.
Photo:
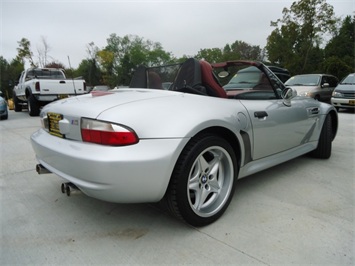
column 70, row 189
column 40, row 169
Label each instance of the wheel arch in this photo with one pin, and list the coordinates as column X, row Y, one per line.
column 229, row 136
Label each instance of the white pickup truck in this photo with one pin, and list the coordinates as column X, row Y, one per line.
column 38, row 86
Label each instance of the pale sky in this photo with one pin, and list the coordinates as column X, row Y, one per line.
column 182, row 27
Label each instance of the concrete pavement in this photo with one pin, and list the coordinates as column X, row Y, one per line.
column 300, row 212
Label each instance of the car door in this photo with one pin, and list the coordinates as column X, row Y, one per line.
column 278, row 127
column 326, row 88
column 333, row 82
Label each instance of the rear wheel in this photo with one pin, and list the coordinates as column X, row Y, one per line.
column 203, row 180
column 33, row 106
column 324, row 148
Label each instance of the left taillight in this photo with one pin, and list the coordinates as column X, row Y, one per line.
column 37, row 86
column 106, row 133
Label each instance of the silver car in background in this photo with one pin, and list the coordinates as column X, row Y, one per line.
column 3, row 108
column 344, row 94
column 317, row 86
column 186, row 146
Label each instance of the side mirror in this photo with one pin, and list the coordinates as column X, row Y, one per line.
column 325, row 85
column 287, row 95
column 223, row 74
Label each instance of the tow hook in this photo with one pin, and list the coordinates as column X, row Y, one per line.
column 69, row 188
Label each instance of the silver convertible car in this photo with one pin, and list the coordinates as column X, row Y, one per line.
column 186, row 145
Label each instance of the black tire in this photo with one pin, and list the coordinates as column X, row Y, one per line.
column 17, row 105
column 324, row 148
column 62, row 188
column 203, row 180
column 33, row 106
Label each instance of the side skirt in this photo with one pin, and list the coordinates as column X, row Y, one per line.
column 275, row 159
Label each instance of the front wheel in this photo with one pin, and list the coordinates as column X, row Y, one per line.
column 203, row 181
column 324, row 148
column 17, row 106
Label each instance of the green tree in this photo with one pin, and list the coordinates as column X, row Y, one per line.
column 211, row 55
column 298, row 35
column 9, row 74
column 4, row 66
column 122, row 55
column 340, row 50
column 90, row 71
column 24, row 52
column 337, row 67
column 240, row 50
column 235, row 51
column 89, row 68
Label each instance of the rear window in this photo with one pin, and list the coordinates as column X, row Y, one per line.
column 45, row 74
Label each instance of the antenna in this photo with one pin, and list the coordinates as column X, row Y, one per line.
column 72, row 75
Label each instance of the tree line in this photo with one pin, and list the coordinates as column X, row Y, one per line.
column 309, row 38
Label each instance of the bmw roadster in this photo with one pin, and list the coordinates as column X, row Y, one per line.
column 187, row 144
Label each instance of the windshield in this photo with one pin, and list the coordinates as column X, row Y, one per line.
column 243, row 80
column 202, row 78
column 246, row 77
column 349, row 79
column 303, row 80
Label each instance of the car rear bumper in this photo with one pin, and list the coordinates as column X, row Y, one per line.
column 130, row 174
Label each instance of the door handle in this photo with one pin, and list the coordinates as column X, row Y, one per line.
column 260, row 114
column 62, row 82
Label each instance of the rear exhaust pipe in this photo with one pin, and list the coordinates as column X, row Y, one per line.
column 40, row 169
column 69, row 188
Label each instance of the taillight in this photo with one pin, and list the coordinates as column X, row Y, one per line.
column 107, row 133
column 37, row 86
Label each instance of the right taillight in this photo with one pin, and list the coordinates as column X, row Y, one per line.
column 106, row 133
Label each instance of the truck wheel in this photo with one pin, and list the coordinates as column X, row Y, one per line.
column 17, row 105
column 33, row 106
